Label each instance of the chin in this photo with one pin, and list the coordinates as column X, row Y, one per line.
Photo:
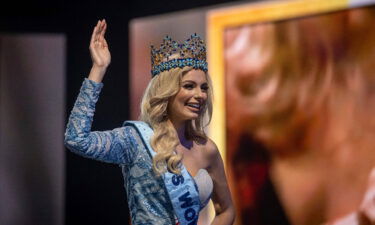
column 192, row 117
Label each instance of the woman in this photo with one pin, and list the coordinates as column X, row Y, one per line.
column 170, row 167
column 302, row 97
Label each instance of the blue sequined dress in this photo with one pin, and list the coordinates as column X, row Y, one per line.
column 148, row 199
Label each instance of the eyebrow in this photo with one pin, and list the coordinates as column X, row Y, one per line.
column 187, row 81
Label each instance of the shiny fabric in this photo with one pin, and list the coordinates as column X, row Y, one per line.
column 149, row 203
column 205, row 186
column 182, row 189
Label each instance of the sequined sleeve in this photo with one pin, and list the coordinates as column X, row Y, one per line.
column 115, row 146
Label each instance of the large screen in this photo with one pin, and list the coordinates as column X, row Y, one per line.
column 297, row 91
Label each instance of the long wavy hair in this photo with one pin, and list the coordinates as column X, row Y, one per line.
column 318, row 81
column 154, row 107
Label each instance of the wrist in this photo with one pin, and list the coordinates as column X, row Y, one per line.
column 97, row 73
column 99, row 69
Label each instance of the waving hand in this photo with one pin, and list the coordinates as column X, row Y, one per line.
column 100, row 55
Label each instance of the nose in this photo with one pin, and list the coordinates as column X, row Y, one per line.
column 199, row 94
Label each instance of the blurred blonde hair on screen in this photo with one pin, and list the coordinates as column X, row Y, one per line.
column 317, row 81
column 301, row 114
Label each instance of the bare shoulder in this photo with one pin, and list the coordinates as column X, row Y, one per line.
column 209, row 151
column 211, row 146
column 212, row 152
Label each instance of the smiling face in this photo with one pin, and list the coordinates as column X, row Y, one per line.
column 190, row 100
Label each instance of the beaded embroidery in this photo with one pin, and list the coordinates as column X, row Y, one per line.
column 191, row 53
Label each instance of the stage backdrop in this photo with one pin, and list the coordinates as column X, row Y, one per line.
column 32, row 117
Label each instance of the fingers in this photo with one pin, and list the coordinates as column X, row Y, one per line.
column 105, row 43
column 102, row 30
column 97, row 37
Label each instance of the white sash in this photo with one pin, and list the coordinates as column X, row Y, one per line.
column 182, row 189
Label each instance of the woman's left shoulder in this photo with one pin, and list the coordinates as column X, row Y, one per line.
column 211, row 148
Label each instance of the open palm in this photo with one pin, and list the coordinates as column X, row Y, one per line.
column 100, row 55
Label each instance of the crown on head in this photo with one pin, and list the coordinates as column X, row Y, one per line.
column 191, row 53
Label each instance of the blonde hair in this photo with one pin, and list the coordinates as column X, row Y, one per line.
column 317, row 80
column 154, row 105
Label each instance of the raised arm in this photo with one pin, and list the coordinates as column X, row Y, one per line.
column 115, row 146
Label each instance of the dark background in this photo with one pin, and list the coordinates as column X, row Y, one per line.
column 94, row 191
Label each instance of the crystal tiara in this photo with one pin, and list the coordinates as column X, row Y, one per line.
column 172, row 55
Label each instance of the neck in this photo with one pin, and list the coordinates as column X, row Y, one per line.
column 180, row 129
